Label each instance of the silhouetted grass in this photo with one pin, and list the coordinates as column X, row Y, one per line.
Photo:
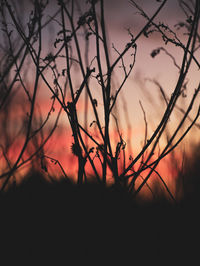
column 62, row 223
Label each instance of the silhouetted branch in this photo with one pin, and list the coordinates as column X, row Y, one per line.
column 73, row 76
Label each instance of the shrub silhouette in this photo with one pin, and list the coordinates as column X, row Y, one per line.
column 72, row 75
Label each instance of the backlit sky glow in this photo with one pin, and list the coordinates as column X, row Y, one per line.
column 120, row 16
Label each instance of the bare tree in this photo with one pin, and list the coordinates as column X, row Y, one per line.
column 70, row 63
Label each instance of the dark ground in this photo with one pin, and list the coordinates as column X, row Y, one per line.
column 62, row 224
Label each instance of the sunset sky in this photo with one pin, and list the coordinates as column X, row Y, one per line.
column 140, row 91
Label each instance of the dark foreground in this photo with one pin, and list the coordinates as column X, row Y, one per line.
column 62, row 224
